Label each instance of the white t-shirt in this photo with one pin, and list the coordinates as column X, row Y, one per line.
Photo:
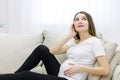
column 84, row 53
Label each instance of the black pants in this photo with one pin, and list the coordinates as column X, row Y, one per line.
column 40, row 53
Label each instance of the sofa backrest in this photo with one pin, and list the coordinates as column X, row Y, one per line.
column 52, row 37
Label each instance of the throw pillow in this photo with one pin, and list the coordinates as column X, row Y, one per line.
column 14, row 49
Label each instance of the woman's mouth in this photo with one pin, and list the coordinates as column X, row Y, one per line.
column 80, row 26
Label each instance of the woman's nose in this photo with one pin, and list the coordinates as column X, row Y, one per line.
column 80, row 21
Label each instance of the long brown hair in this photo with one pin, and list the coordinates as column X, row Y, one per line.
column 91, row 29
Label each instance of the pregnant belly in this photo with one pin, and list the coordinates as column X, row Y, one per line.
column 65, row 66
column 78, row 76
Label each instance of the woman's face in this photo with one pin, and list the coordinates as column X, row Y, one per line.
column 81, row 23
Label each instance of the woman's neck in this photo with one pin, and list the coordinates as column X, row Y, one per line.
column 84, row 36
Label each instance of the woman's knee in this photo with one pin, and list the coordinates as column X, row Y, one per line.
column 42, row 47
column 41, row 51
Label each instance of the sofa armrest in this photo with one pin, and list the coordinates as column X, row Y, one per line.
column 116, row 75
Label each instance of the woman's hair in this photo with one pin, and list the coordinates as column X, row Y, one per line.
column 91, row 29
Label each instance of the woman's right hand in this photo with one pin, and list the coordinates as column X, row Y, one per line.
column 72, row 32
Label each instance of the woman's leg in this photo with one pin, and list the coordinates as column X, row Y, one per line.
column 27, row 75
column 41, row 53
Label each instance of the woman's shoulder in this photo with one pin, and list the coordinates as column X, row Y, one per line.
column 70, row 42
column 95, row 40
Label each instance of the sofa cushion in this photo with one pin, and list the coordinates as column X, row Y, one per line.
column 15, row 49
column 52, row 37
column 113, row 65
column 110, row 48
column 100, row 36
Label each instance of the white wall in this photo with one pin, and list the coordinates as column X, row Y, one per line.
column 19, row 16
column 16, row 15
column 28, row 16
column 3, row 15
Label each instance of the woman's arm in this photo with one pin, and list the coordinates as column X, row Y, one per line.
column 102, row 69
column 60, row 46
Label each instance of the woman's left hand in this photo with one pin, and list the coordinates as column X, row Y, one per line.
column 75, row 68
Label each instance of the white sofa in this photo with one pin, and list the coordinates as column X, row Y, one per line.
column 15, row 49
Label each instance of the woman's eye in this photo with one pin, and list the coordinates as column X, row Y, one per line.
column 84, row 19
column 76, row 19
